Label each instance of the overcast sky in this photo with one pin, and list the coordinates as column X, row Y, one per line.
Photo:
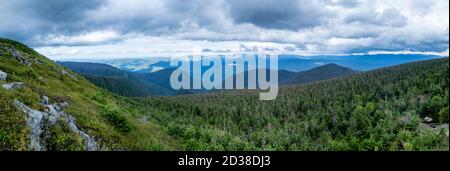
column 143, row 28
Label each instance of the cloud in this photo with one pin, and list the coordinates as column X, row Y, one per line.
column 388, row 17
column 301, row 26
column 90, row 38
column 24, row 19
column 281, row 14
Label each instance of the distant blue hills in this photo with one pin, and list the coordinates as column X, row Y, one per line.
column 292, row 63
column 145, row 77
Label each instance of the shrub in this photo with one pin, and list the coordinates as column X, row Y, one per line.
column 117, row 120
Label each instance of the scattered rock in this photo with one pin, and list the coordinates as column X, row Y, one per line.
column 16, row 54
column 42, row 79
column 3, row 75
column 437, row 127
column 144, row 119
column 52, row 115
column 66, row 73
column 13, row 86
column 427, row 120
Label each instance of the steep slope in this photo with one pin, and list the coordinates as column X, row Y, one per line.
column 323, row 72
column 45, row 106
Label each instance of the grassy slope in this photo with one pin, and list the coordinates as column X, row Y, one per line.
column 88, row 104
column 378, row 110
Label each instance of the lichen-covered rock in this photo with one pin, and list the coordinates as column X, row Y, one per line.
column 13, row 86
column 35, row 122
column 63, row 105
column 37, row 119
column 66, row 73
column 90, row 144
column 17, row 54
column 44, row 100
column 144, row 119
column 3, row 75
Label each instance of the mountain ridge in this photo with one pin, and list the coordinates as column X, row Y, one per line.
column 157, row 83
column 49, row 107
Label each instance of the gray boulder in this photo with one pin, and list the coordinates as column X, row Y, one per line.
column 70, row 75
column 3, row 75
column 35, row 123
column 38, row 120
column 427, row 120
column 13, row 86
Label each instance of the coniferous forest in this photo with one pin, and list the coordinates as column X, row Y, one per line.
column 403, row 107
column 377, row 110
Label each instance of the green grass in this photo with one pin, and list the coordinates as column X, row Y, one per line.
column 87, row 104
column 379, row 110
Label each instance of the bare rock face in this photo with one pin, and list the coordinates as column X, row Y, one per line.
column 3, row 75
column 13, row 86
column 53, row 114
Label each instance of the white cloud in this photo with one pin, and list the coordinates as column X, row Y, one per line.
column 95, row 37
column 138, row 28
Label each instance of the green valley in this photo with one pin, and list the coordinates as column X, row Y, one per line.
column 403, row 107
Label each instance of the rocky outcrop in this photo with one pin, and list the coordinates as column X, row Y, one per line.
column 70, row 75
column 3, row 75
column 13, row 86
column 53, row 114
column 16, row 54
column 34, row 122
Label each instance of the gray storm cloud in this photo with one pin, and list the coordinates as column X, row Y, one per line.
column 327, row 25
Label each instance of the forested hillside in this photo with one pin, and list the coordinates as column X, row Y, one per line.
column 45, row 106
column 324, row 72
column 139, row 84
column 378, row 110
column 126, row 83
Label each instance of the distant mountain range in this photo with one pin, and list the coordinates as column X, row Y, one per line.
column 141, row 83
column 293, row 63
column 328, row 71
column 47, row 107
column 123, row 82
